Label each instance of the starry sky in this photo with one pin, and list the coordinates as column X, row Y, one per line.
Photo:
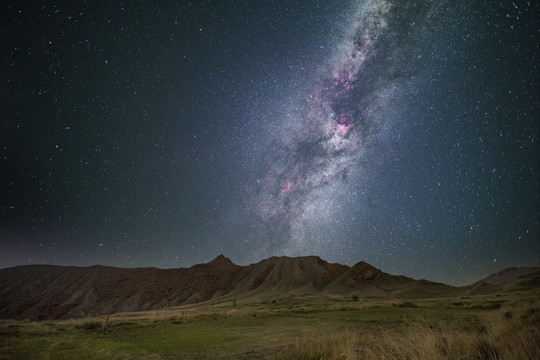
column 402, row 133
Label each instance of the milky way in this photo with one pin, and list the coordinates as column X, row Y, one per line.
column 318, row 163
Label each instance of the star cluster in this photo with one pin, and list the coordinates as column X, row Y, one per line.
column 402, row 133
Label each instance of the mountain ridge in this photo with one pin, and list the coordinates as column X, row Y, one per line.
column 40, row 292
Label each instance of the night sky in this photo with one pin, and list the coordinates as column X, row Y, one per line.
column 401, row 133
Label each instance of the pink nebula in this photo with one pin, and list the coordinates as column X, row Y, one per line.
column 343, row 129
column 287, row 186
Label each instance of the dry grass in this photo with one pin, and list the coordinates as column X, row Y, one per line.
column 477, row 328
column 509, row 333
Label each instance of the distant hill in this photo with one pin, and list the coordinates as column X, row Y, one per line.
column 39, row 292
column 511, row 279
column 509, row 274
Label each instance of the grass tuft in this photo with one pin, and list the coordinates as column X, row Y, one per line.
column 91, row 326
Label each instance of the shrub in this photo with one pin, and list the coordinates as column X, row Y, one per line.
column 91, row 325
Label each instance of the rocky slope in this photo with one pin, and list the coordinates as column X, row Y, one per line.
column 53, row 292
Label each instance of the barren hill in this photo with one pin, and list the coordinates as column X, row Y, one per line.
column 509, row 274
column 53, row 292
column 511, row 279
column 369, row 281
column 57, row 292
column 283, row 274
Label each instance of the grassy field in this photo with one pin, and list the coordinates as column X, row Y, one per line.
column 483, row 327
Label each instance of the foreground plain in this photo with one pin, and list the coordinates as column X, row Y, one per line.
column 499, row 326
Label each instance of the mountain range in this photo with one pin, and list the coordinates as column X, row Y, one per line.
column 40, row 292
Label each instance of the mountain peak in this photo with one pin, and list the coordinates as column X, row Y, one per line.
column 220, row 259
column 363, row 266
column 364, row 271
